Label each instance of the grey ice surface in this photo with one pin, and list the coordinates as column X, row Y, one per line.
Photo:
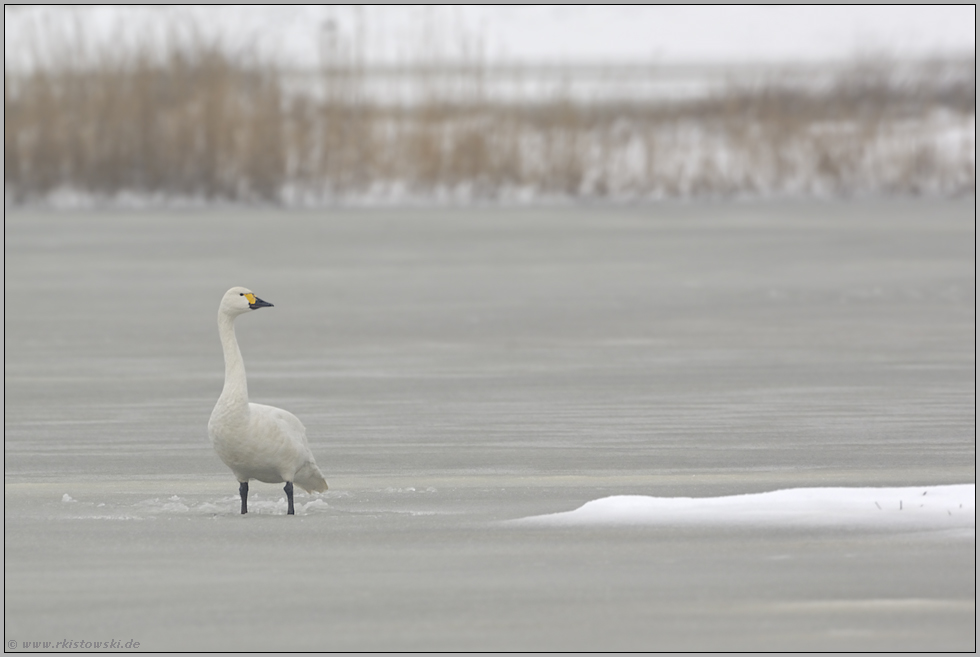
column 457, row 368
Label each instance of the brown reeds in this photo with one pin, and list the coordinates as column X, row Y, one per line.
column 194, row 121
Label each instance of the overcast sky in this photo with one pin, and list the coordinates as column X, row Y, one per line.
column 543, row 32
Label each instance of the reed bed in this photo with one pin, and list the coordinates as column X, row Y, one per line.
column 195, row 122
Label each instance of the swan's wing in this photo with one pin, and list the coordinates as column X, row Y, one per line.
column 288, row 424
column 293, row 435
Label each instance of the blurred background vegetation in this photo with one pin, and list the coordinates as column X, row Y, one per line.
column 176, row 115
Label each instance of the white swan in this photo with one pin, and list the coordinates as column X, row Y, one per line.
column 256, row 441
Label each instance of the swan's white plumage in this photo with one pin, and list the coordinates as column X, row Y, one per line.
column 254, row 440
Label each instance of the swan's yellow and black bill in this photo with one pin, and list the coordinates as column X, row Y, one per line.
column 255, row 302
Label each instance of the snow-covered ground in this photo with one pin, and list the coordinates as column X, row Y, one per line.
column 627, row 161
column 932, row 507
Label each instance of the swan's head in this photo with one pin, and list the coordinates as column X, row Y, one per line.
column 240, row 300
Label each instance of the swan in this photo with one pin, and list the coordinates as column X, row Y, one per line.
column 254, row 440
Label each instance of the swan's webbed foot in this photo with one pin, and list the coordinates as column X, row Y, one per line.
column 289, row 497
column 243, row 491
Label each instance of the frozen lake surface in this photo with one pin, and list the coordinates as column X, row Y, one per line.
column 460, row 370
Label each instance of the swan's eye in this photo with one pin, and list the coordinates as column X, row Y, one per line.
column 241, row 294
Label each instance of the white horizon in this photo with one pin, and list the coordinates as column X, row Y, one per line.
column 498, row 35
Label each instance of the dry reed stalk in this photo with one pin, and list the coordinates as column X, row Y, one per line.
column 195, row 121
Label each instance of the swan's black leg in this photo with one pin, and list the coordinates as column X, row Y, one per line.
column 243, row 491
column 289, row 497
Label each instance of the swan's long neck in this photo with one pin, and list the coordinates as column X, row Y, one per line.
column 235, row 391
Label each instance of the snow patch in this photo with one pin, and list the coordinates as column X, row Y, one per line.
column 914, row 507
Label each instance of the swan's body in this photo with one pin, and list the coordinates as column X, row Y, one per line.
column 254, row 440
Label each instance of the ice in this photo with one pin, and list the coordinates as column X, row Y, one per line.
column 228, row 505
column 927, row 506
column 626, row 352
column 936, row 507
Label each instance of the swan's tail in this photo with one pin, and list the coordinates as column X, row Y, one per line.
column 310, row 479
